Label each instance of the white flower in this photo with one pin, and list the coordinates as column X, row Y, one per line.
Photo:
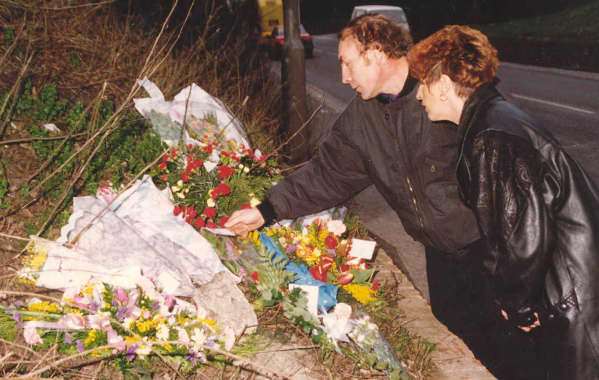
column 337, row 323
column 180, row 183
column 210, row 202
column 246, row 170
column 175, row 189
column 254, row 202
column 128, row 323
column 163, row 332
column 181, row 195
column 336, row 227
column 241, row 166
column 143, row 350
column 258, row 154
column 72, row 322
column 198, row 337
column 31, row 336
column 182, row 335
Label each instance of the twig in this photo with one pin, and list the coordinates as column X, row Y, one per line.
column 175, row 370
column 29, row 294
column 32, row 139
column 306, row 123
column 20, row 346
column 13, row 237
column 15, row 88
column 63, row 360
column 312, row 347
column 5, row 357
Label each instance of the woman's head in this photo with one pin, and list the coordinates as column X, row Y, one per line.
column 452, row 62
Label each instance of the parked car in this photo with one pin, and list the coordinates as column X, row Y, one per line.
column 392, row 12
column 277, row 40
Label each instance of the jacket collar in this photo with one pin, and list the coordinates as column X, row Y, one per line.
column 475, row 104
column 408, row 86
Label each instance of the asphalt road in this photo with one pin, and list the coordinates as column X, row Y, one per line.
column 565, row 102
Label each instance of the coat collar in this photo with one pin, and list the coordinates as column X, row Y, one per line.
column 406, row 90
column 475, row 104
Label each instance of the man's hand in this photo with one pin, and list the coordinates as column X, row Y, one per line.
column 244, row 221
column 528, row 328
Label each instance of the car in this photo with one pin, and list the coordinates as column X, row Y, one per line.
column 277, row 40
column 392, row 12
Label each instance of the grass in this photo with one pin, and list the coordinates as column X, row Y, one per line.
column 577, row 24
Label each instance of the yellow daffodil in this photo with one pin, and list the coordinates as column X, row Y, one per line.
column 361, row 293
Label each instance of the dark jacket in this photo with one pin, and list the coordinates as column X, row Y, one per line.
column 393, row 146
column 539, row 214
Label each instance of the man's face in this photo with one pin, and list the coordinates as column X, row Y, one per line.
column 357, row 70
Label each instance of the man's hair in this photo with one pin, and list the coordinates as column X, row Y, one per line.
column 464, row 54
column 377, row 32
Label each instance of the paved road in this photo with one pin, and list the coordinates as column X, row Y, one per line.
column 566, row 102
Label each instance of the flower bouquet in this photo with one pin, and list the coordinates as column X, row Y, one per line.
column 102, row 320
column 207, row 184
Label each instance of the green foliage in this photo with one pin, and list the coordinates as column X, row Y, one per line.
column 8, row 326
column 3, row 186
column 8, row 36
column 355, row 228
column 273, row 278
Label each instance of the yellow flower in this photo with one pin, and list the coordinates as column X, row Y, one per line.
column 361, row 293
column 143, row 326
column 131, row 340
column 210, row 323
column 92, row 335
column 44, row 307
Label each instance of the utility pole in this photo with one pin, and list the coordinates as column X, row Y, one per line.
column 293, row 74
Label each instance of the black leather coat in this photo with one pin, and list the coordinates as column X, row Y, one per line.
column 394, row 146
column 539, row 214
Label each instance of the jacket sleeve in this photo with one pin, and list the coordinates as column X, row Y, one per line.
column 332, row 176
column 510, row 188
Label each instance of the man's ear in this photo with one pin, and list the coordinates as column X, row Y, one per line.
column 445, row 84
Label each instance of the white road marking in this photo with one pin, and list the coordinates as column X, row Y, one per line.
column 565, row 106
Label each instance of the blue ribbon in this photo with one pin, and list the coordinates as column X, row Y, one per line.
column 327, row 293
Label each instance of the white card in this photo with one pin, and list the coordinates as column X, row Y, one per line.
column 363, row 249
column 220, row 231
column 312, row 295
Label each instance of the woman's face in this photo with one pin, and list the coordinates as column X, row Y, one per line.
column 434, row 99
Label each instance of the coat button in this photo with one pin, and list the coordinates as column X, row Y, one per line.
column 433, row 168
column 551, row 316
column 563, row 306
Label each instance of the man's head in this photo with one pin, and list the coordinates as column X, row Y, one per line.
column 366, row 47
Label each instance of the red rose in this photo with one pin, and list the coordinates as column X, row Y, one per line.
column 191, row 212
column 221, row 189
column 164, row 177
column 344, row 268
column 177, row 210
column 208, row 149
column 319, row 273
column 210, row 212
column 199, row 223
column 223, row 219
column 225, row 172
column 255, row 277
column 330, row 242
column 185, row 177
column 375, row 285
column 211, row 224
column 162, row 165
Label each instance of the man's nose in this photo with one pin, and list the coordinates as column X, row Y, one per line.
column 345, row 77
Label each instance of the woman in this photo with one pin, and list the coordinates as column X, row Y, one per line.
column 536, row 208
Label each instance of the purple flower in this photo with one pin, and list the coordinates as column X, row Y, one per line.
column 68, row 338
column 80, row 346
column 121, row 295
column 291, row 248
column 131, row 355
column 170, row 302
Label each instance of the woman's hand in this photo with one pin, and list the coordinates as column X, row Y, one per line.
column 243, row 221
column 536, row 323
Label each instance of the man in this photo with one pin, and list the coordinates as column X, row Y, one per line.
column 385, row 138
